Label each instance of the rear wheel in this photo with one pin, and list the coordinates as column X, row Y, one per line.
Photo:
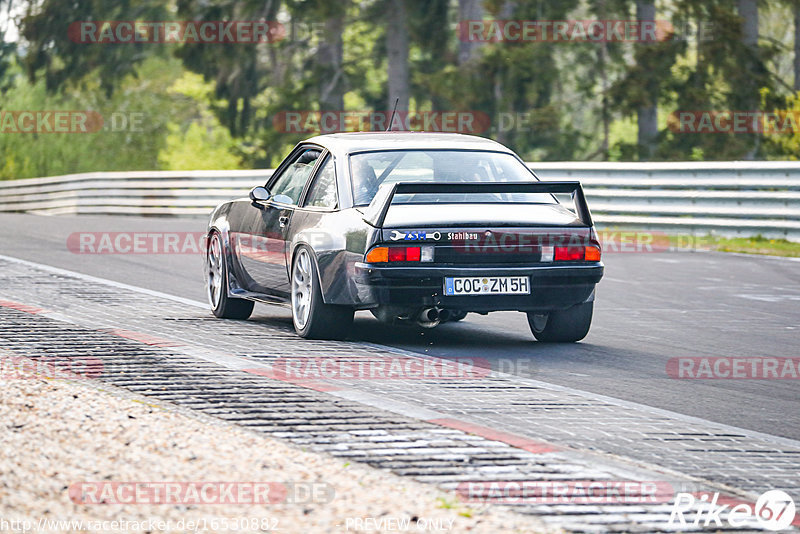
column 222, row 305
column 562, row 326
column 312, row 318
column 456, row 316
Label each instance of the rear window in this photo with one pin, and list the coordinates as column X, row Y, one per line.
column 370, row 170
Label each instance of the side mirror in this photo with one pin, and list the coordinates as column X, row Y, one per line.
column 259, row 194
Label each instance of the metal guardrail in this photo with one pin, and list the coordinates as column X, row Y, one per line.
column 728, row 198
column 156, row 193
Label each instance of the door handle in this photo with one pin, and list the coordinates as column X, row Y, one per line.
column 283, row 220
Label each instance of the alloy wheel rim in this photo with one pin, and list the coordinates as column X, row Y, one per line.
column 214, row 271
column 301, row 289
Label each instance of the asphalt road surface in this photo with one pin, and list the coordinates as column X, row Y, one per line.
column 650, row 307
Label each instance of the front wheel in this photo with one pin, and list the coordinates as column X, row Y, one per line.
column 312, row 318
column 562, row 326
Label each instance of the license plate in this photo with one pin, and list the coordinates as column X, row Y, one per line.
column 487, row 285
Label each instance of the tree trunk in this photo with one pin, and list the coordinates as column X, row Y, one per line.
column 647, row 115
column 605, row 115
column 797, row 46
column 469, row 10
column 502, row 136
column 397, row 53
column 330, row 58
column 748, row 11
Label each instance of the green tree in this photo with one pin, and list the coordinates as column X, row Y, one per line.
column 8, row 53
column 55, row 54
column 166, row 120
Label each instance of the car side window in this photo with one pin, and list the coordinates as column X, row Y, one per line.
column 288, row 187
column 322, row 193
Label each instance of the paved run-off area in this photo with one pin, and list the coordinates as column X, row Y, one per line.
column 463, row 435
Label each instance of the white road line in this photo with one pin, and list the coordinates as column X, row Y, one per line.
column 104, row 281
column 764, row 256
column 545, row 385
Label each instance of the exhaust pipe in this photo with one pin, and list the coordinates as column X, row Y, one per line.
column 429, row 318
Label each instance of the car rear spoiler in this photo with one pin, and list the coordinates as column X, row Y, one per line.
column 375, row 214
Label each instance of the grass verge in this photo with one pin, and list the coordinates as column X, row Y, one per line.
column 744, row 245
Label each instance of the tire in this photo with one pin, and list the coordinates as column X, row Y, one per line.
column 312, row 318
column 457, row 316
column 562, row 326
column 222, row 305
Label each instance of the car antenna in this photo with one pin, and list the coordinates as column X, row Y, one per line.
column 391, row 121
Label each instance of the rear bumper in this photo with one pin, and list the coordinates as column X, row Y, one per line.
column 552, row 287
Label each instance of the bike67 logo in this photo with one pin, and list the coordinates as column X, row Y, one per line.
column 774, row 510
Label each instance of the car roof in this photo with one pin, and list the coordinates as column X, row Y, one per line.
column 348, row 143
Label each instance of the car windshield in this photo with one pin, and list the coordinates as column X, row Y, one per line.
column 370, row 170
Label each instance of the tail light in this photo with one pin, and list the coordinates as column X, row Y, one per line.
column 593, row 253
column 569, row 253
column 572, row 253
column 399, row 254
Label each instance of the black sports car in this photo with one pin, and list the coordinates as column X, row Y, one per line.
column 415, row 227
